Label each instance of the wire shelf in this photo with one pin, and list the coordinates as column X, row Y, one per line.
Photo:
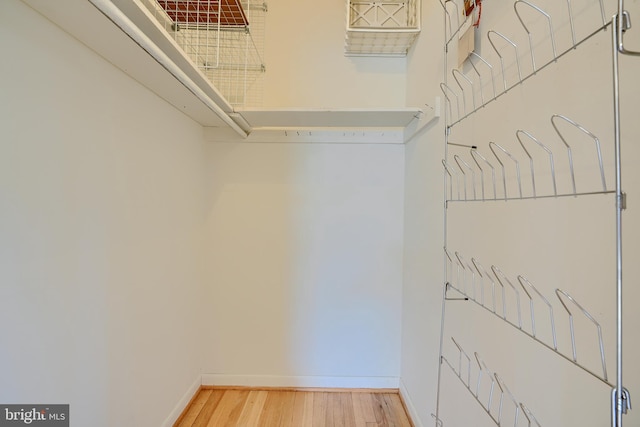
column 224, row 38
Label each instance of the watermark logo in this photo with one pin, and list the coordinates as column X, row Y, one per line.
column 34, row 415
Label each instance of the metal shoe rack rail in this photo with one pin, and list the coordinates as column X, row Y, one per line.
column 501, row 174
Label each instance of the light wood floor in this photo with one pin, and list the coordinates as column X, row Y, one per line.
column 217, row 407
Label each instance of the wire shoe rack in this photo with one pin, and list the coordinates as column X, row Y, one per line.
column 562, row 158
column 497, row 294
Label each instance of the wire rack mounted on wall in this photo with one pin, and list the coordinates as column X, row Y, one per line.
column 543, row 40
column 224, row 38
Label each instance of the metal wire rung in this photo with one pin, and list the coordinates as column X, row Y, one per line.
column 481, row 396
column 479, row 165
column 501, row 286
column 500, row 43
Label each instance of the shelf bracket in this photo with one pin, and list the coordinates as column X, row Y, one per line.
column 448, row 286
column 621, row 405
column 622, row 201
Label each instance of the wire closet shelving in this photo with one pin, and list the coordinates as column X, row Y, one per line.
column 381, row 28
column 560, row 159
column 224, row 38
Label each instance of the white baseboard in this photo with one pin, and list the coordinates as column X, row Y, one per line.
column 182, row 404
column 299, row 381
column 411, row 409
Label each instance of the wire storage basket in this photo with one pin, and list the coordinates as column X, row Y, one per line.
column 224, row 38
column 381, row 28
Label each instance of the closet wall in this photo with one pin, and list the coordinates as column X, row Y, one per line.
column 102, row 190
column 305, row 254
column 556, row 243
column 423, row 226
column 306, row 66
column 305, row 264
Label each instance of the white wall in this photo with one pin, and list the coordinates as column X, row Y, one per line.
column 306, row 66
column 101, row 213
column 423, row 237
column 306, row 240
column 305, row 264
column 564, row 243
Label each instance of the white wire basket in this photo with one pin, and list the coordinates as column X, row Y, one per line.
column 387, row 14
column 381, row 28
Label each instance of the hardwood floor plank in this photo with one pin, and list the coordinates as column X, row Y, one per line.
column 307, row 419
column 348, row 411
column 335, row 411
column 380, row 409
column 229, row 408
column 402, row 419
column 271, row 410
column 195, row 408
column 366, row 404
column 288, row 404
column 389, row 410
column 278, row 409
column 252, row 410
column 302, row 409
column 209, row 407
column 319, row 409
column 358, row 412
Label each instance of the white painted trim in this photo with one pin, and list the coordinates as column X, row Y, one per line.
column 299, row 381
column 182, row 404
column 324, row 135
column 411, row 409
